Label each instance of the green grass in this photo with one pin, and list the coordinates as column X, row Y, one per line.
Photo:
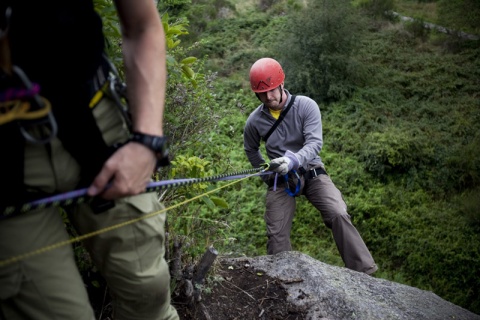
column 426, row 11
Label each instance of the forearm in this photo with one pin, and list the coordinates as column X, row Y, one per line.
column 251, row 144
column 144, row 52
column 255, row 158
column 312, row 134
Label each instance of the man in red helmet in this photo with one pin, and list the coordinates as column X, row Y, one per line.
column 293, row 146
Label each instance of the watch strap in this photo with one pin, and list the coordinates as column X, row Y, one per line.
column 157, row 144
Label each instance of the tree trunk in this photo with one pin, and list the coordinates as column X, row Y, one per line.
column 202, row 269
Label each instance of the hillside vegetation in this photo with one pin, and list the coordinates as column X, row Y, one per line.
column 401, row 114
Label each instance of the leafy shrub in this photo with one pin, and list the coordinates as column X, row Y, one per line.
column 377, row 8
column 395, row 150
column 321, row 39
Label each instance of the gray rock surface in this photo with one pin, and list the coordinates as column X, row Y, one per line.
column 330, row 292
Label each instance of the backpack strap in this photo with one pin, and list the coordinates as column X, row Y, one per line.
column 279, row 120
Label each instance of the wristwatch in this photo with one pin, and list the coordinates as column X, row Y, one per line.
column 157, row 144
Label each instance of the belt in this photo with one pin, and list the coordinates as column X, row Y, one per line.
column 312, row 173
column 307, row 174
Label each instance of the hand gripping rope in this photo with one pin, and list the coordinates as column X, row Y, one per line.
column 80, row 195
column 285, row 177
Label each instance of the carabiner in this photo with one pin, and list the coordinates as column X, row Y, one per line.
column 45, row 118
column 118, row 90
column 268, row 166
column 297, row 187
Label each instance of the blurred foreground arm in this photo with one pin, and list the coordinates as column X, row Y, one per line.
column 130, row 168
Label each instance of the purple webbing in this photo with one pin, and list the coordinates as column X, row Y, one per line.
column 19, row 93
column 60, row 197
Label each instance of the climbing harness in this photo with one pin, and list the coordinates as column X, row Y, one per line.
column 108, row 83
column 20, row 99
column 298, row 186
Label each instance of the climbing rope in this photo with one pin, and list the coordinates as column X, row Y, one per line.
column 119, row 225
column 80, row 195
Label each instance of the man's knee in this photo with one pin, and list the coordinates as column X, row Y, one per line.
column 145, row 297
column 336, row 216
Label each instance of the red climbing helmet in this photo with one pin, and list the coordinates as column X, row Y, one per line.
column 266, row 74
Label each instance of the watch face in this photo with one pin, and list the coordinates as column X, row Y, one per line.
column 155, row 143
column 158, row 143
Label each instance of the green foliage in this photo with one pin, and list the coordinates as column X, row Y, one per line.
column 190, row 110
column 321, row 39
column 401, row 121
column 468, row 204
column 173, row 3
column 461, row 15
column 396, row 150
column 173, row 31
column 418, row 29
column 231, row 53
column 377, row 8
column 191, row 223
column 111, row 29
column 202, row 12
column 415, row 128
column 398, row 147
column 464, row 165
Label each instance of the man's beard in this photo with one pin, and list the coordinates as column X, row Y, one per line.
column 273, row 104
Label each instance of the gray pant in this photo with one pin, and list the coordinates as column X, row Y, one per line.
column 326, row 198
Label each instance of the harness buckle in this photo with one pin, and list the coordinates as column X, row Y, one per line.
column 44, row 115
column 298, row 186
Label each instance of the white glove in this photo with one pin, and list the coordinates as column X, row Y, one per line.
column 284, row 164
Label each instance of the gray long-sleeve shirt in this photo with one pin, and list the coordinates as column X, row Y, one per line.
column 300, row 132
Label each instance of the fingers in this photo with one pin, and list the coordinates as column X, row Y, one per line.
column 121, row 188
column 127, row 172
column 282, row 169
column 273, row 165
column 280, row 165
column 100, row 182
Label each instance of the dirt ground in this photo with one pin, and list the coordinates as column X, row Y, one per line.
column 238, row 293
column 229, row 293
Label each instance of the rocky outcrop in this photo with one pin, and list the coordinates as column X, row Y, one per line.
column 325, row 292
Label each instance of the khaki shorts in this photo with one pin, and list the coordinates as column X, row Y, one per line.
column 131, row 258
